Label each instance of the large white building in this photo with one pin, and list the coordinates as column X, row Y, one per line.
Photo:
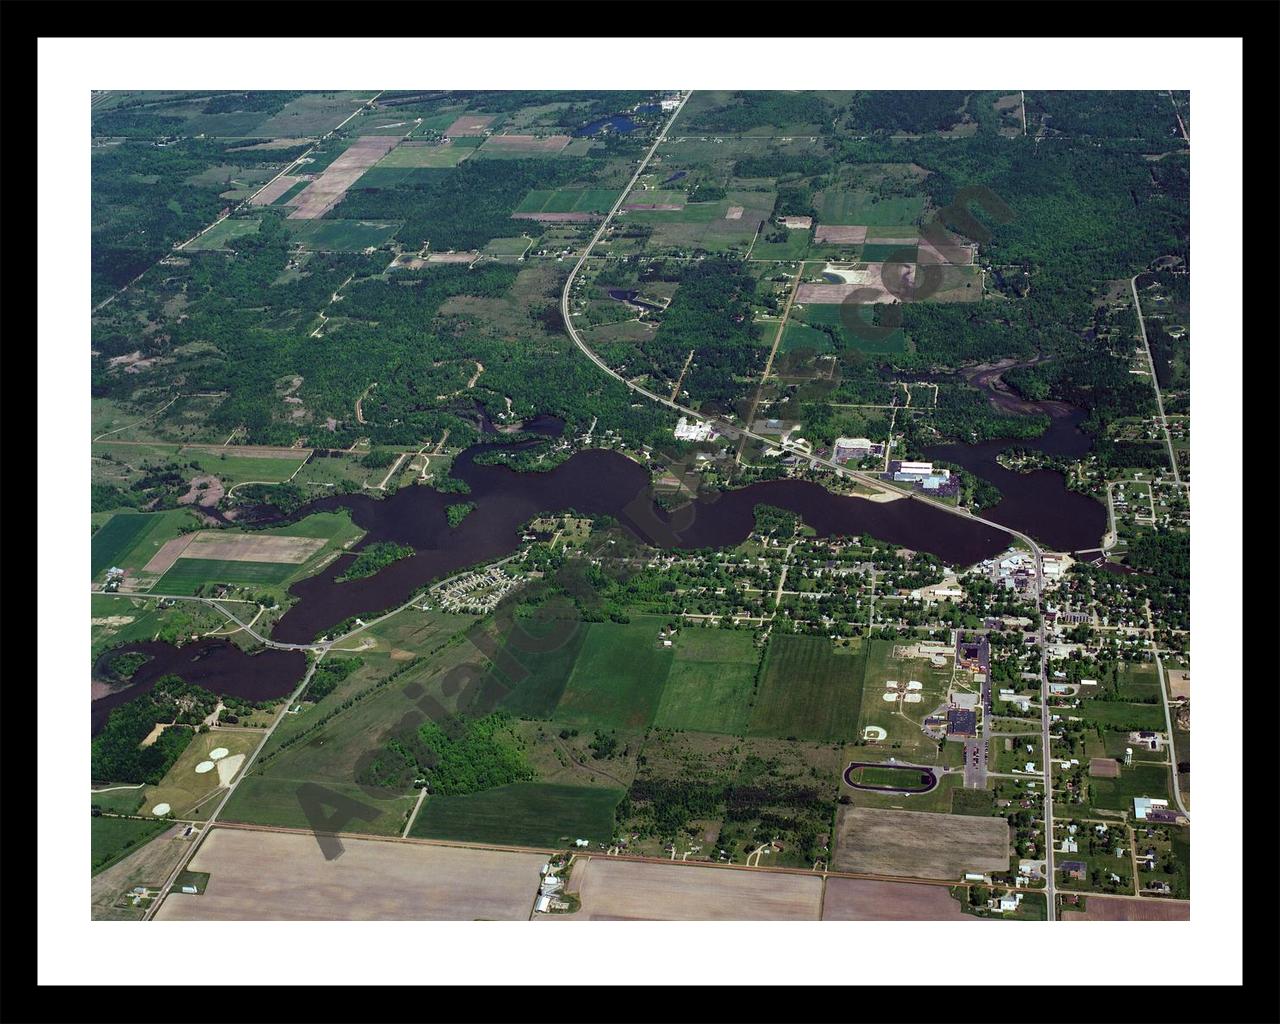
column 700, row 430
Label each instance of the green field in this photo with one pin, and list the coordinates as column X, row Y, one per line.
column 901, row 721
column 118, row 801
column 618, row 678
column 112, row 540
column 341, row 235
column 130, row 544
column 568, row 200
column 272, row 800
column 859, row 207
column 710, row 684
column 872, row 253
column 113, row 839
column 1114, row 714
column 868, row 341
column 189, row 573
column 537, row 678
column 223, row 232
column 800, row 335
column 410, row 155
column 1137, row 682
column 794, row 248
column 524, row 814
column 808, row 690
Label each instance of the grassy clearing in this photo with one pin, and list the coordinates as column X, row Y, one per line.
column 1114, row 714
column 869, row 340
column 618, row 678
column 839, row 206
column 114, row 538
column 224, row 232
column 527, row 813
column 112, row 839
column 341, row 235
column 569, row 200
column 809, row 690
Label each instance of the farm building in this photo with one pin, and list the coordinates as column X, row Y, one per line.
column 1142, row 805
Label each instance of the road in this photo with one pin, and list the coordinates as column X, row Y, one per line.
column 1155, row 383
column 1168, row 725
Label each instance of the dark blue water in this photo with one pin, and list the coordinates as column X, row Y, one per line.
column 618, row 122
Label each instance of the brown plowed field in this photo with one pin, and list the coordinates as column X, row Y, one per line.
column 162, row 561
column 1101, row 908
column 919, row 844
column 619, row 890
column 251, row 547
column 841, row 234
column 323, row 194
column 558, row 217
column 272, row 191
column 469, row 124
column 526, row 143
column 278, row 876
column 859, row 899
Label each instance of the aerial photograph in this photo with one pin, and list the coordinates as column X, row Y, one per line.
column 651, row 505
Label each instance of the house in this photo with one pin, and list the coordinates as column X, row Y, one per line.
column 1076, row 869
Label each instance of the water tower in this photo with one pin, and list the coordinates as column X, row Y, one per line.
column 1128, row 755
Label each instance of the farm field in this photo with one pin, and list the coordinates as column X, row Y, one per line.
column 416, row 154
column 223, row 232
column 189, row 574
column 313, row 114
column 618, row 677
column 129, row 540
column 276, row 876
column 1123, row 908
column 860, row 207
column 536, row 678
column 919, row 844
column 618, row 890
column 861, row 899
column 809, row 689
column 568, row 200
column 274, row 800
column 522, row 814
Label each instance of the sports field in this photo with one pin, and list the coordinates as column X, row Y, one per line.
column 809, row 689
column 902, row 719
column 710, row 683
column 523, row 814
column 618, row 678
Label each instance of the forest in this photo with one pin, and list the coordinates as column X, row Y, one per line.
column 116, row 754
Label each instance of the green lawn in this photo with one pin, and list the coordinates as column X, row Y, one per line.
column 618, row 678
column 860, row 207
column 808, row 690
column 524, row 814
column 112, row 839
column 863, row 341
column 710, row 684
column 1114, row 714
column 569, row 200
